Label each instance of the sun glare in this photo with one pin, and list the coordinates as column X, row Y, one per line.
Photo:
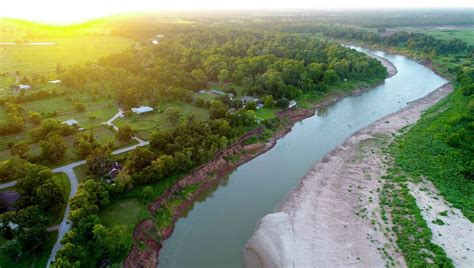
column 64, row 12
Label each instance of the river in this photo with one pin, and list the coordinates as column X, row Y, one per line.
column 215, row 231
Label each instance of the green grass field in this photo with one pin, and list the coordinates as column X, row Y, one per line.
column 102, row 134
column 463, row 33
column 29, row 59
column 5, row 83
column 266, row 113
column 126, row 213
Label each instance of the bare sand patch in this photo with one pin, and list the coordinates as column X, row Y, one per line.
column 453, row 232
column 332, row 218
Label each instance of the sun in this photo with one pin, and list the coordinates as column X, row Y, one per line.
column 72, row 11
column 57, row 11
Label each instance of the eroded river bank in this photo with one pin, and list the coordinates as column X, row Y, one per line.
column 216, row 230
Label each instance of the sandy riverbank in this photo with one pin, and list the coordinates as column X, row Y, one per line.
column 332, row 218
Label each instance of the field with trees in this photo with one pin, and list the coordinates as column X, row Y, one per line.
column 116, row 68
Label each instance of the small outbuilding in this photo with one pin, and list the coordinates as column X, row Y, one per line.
column 259, row 106
column 247, row 99
column 142, row 109
column 73, row 123
column 217, row 92
column 23, row 87
column 292, row 104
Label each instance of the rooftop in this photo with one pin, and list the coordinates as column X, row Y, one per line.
column 71, row 122
column 142, row 109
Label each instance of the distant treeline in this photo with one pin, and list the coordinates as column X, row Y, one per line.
column 414, row 41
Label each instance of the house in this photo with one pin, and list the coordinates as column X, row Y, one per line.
column 55, row 82
column 7, row 199
column 247, row 99
column 113, row 172
column 156, row 40
column 73, row 123
column 218, row 92
column 142, row 109
column 292, row 104
column 23, row 87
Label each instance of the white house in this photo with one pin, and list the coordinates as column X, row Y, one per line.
column 55, row 82
column 73, row 123
column 142, row 109
column 24, row 87
column 292, row 104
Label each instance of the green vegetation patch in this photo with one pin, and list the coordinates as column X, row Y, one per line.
column 29, row 59
column 413, row 234
column 426, row 151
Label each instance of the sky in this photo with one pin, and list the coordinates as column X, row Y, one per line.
column 69, row 11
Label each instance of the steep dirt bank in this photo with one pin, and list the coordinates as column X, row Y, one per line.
column 148, row 238
column 332, row 219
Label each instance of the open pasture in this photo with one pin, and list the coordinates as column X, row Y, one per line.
column 29, row 59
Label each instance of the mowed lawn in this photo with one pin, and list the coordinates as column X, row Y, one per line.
column 101, row 133
column 29, row 59
column 5, row 82
column 98, row 110
column 266, row 113
column 125, row 213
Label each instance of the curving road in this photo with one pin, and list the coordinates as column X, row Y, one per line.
column 7, row 185
column 66, row 225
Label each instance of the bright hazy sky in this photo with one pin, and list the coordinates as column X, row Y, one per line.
column 67, row 11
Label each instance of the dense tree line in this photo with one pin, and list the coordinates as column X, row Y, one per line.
column 414, row 41
column 24, row 230
column 262, row 62
column 172, row 153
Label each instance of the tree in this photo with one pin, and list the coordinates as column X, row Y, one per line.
column 99, row 160
column 331, row 77
column 217, row 109
column 173, row 115
column 199, row 77
column 108, row 242
column 268, row 101
column 53, row 148
column 282, row 103
column 223, row 76
column 139, row 159
column 32, row 229
column 124, row 181
column 85, row 143
column 80, row 107
column 34, row 118
column 124, row 133
column 20, row 149
column 37, row 187
column 251, row 106
column 70, row 255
